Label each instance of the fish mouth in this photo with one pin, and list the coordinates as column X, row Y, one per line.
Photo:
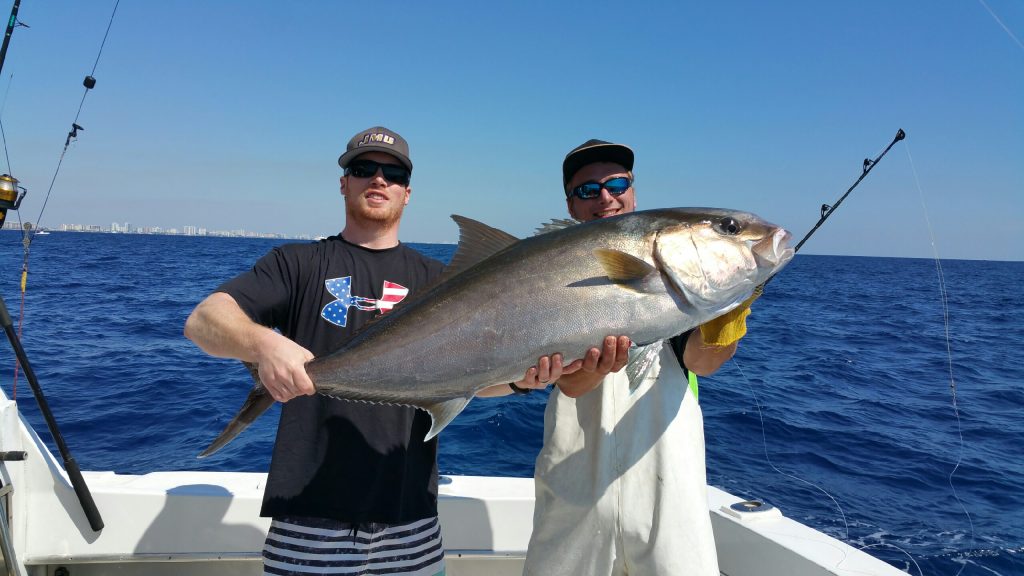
column 773, row 251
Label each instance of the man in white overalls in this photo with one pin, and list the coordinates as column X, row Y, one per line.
column 620, row 481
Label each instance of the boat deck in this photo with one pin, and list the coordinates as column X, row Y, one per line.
column 208, row 523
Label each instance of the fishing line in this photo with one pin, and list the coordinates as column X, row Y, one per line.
column 842, row 514
column 89, row 83
column 1000, row 22
column 764, row 443
column 7, row 156
column 826, row 211
column 27, row 235
column 12, row 200
column 2, row 132
column 888, row 545
column 949, row 352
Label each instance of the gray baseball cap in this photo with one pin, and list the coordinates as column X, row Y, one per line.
column 377, row 139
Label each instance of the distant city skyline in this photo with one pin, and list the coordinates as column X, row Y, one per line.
column 186, row 230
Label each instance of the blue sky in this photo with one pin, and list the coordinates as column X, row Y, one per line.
column 232, row 115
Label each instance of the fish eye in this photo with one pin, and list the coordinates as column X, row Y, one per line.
column 728, row 226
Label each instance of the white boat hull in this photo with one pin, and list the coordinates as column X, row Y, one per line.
column 201, row 523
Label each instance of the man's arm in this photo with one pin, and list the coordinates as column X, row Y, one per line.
column 714, row 342
column 221, row 328
column 702, row 359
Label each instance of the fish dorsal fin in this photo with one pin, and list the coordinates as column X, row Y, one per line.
column 477, row 242
column 555, row 225
column 622, row 268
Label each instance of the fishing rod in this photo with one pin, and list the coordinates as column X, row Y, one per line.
column 74, row 473
column 827, row 210
column 10, row 30
column 10, row 200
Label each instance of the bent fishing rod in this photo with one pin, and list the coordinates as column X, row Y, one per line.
column 827, row 210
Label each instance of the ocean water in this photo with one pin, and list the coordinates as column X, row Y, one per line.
column 857, row 404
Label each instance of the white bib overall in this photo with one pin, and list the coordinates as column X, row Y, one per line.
column 621, row 484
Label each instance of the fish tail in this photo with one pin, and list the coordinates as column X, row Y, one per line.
column 257, row 403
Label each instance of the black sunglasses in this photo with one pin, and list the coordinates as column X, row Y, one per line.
column 591, row 190
column 368, row 169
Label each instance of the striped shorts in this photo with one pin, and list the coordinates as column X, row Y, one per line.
column 305, row 546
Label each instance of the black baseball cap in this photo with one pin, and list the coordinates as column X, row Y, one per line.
column 592, row 151
column 377, row 139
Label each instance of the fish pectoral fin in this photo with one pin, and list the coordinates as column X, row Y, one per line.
column 625, row 269
column 444, row 412
column 641, row 359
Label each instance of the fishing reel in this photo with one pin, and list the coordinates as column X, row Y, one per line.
column 10, row 199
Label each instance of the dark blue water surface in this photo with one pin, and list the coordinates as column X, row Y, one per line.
column 841, row 406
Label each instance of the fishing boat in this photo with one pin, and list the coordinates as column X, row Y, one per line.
column 56, row 520
column 200, row 523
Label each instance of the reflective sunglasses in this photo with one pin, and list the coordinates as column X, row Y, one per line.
column 393, row 173
column 591, row 190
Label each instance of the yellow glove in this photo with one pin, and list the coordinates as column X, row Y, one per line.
column 731, row 326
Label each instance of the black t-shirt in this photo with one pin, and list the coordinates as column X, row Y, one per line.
column 678, row 344
column 348, row 461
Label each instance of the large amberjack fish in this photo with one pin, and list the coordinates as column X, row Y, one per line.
column 503, row 302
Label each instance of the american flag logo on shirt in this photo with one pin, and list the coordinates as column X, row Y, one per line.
column 391, row 294
column 336, row 311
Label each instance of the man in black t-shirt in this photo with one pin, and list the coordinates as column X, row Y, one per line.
column 351, row 484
